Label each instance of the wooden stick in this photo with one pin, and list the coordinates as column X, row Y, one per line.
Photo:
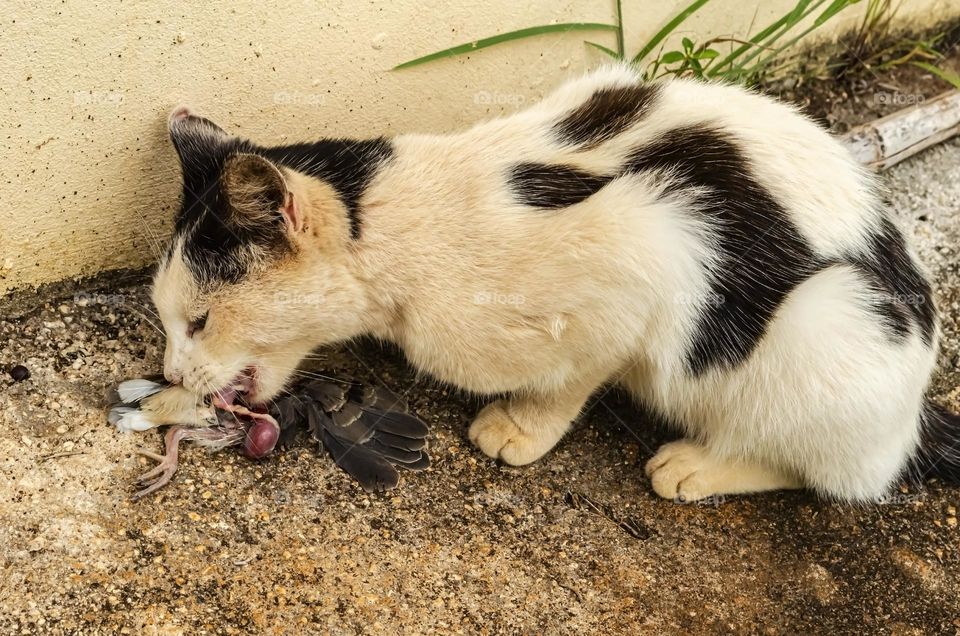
column 891, row 139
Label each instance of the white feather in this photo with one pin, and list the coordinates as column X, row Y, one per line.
column 132, row 391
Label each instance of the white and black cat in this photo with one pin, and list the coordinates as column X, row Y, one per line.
column 708, row 248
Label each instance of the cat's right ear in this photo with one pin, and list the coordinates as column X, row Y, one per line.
column 194, row 137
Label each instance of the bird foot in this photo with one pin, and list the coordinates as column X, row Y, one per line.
column 167, row 464
column 163, row 472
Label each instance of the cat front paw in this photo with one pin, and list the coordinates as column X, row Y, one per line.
column 682, row 471
column 496, row 434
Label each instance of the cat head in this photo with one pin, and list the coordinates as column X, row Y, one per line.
column 258, row 271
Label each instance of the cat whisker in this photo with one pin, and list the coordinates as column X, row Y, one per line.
column 308, row 374
column 144, row 317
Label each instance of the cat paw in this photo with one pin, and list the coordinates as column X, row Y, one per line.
column 496, row 434
column 682, row 471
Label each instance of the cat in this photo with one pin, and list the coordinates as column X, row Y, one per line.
column 706, row 247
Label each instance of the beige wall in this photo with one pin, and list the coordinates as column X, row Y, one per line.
column 89, row 181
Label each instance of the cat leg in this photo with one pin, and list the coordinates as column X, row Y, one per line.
column 521, row 429
column 686, row 471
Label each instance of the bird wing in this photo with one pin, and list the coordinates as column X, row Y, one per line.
column 373, row 471
column 132, row 392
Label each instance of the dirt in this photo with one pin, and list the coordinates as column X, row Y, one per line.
column 575, row 544
column 867, row 91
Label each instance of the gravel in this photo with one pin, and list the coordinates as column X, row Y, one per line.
column 576, row 544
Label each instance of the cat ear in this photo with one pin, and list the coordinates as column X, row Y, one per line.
column 258, row 194
column 195, row 138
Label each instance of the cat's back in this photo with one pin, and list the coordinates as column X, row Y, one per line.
column 610, row 124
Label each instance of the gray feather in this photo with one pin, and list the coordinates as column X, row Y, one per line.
column 372, row 470
column 396, row 423
column 133, row 391
column 330, row 396
column 378, row 397
column 117, row 413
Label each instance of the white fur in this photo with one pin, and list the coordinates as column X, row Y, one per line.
column 495, row 297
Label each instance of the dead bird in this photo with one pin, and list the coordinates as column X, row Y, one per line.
column 368, row 430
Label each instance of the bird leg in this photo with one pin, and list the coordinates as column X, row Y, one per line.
column 160, row 475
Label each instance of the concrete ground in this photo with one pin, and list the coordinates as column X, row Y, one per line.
column 576, row 544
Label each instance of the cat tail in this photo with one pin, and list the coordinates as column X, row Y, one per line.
column 939, row 451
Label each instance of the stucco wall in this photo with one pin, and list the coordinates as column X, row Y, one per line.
column 89, row 180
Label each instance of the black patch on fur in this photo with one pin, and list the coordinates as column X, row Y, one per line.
column 607, row 113
column 214, row 249
column 550, row 187
column 347, row 165
column 905, row 292
column 217, row 250
column 762, row 256
column 939, row 452
column 893, row 315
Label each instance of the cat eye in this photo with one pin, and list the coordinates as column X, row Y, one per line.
column 197, row 325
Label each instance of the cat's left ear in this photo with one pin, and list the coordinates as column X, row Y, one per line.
column 258, row 194
column 195, row 138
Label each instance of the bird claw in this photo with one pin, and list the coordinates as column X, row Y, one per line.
column 161, row 474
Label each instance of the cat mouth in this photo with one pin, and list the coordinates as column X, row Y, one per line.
column 237, row 406
column 240, row 392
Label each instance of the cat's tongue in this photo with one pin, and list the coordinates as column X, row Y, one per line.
column 224, row 398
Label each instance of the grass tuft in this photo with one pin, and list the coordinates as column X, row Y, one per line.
column 761, row 56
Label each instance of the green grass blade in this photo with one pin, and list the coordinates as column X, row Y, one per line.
column 945, row 75
column 835, row 7
column 507, row 37
column 668, row 29
column 621, row 49
column 788, row 26
column 604, row 49
column 792, row 16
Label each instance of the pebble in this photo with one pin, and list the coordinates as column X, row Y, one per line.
column 19, row 373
